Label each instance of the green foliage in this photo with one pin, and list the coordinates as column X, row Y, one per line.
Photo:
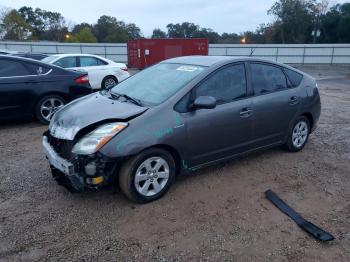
column 15, row 27
column 44, row 25
column 295, row 20
column 83, row 36
column 158, row 33
column 109, row 30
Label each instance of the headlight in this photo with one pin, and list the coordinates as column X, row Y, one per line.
column 96, row 139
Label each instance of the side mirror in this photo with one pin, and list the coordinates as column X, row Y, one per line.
column 204, row 102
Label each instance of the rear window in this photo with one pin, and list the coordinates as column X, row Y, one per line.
column 294, row 77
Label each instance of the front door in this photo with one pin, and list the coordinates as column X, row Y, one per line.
column 227, row 129
column 15, row 85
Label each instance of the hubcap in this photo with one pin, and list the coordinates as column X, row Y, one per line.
column 300, row 133
column 151, row 176
column 110, row 82
column 49, row 107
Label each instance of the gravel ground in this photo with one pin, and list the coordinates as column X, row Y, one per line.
column 217, row 214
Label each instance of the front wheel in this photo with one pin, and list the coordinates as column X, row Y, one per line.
column 298, row 135
column 147, row 176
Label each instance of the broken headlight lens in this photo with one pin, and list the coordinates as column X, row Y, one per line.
column 96, row 139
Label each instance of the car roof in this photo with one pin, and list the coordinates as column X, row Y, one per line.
column 217, row 60
column 29, row 60
column 66, row 55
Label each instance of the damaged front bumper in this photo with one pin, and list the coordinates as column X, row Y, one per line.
column 80, row 172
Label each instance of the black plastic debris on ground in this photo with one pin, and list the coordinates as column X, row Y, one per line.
column 307, row 226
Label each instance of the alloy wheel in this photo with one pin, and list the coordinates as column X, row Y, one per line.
column 300, row 133
column 151, row 176
column 49, row 107
column 109, row 83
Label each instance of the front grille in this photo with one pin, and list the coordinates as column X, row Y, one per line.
column 61, row 146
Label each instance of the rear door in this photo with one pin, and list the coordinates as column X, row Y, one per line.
column 16, row 83
column 68, row 62
column 227, row 129
column 96, row 68
column 275, row 103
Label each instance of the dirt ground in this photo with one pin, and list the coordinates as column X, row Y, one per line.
column 216, row 214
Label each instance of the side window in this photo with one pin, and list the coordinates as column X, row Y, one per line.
column 267, row 78
column 225, row 85
column 294, row 77
column 35, row 69
column 13, row 68
column 66, row 62
column 182, row 105
column 90, row 61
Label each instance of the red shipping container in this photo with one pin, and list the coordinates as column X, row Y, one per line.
column 145, row 52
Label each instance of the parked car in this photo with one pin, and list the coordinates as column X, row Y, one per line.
column 103, row 73
column 35, row 56
column 32, row 88
column 179, row 115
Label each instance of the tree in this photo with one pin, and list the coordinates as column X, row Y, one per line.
column 294, row 20
column 15, row 27
column 77, row 28
column 109, row 30
column 133, row 31
column 158, row 33
column 45, row 25
column 83, row 36
column 184, row 30
column 3, row 13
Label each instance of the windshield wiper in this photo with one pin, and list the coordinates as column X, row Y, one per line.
column 134, row 100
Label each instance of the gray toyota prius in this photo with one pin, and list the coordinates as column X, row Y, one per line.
column 177, row 116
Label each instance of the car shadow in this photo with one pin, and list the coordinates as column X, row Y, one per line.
column 19, row 122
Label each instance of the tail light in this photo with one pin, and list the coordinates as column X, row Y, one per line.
column 124, row 69
column 84, row 79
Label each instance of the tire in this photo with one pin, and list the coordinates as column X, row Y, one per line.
column 138, row 182
column 47, row 107
column 298, row 135
column 108, row 82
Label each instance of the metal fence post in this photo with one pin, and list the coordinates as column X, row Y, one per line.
column 332, row 57
column 277, row 54
column 304, row 55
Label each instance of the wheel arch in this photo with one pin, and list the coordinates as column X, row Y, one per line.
column 63, row 95
column 173, row 151
column 310, row 118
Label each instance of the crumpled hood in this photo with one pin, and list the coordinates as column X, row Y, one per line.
column 88, row 110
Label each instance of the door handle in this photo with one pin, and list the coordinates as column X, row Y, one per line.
column 245, row 112
column 293, row 100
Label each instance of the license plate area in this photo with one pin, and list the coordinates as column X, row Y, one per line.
column 55, row 160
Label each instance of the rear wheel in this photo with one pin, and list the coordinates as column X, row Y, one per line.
column 147, row 176
column 47, row 107
column 298, row 135
column 109, row 82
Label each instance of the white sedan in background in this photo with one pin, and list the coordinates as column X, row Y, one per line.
column 103, row 73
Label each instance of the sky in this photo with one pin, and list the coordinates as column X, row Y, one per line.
column 232, row 16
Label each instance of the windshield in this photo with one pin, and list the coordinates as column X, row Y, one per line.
column 157, row 83
column 49, row 59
